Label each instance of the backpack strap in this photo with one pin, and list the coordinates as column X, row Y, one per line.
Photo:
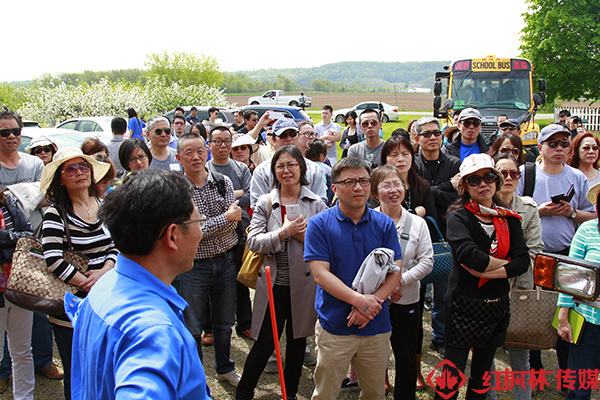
column 529, row 182
column 219, row 181
column 406, row 232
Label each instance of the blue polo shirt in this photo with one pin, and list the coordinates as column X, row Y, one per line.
column 334, row 238
column 130, row 340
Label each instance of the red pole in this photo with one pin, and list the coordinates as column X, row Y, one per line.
column 275, row 332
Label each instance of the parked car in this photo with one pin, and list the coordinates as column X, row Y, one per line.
column 277, row 97
column 91, row 126
column 62, row 137
column 390, row 113
column 225, row 114
column 294, row 113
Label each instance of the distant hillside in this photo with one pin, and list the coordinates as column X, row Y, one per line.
column 364, row 74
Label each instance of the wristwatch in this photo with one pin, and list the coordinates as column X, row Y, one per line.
column 574, row 215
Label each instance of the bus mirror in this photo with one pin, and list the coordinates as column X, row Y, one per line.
column 539, row 99
column 437, row 87
column 449, row 103
column 437, row 102
column 542, row 85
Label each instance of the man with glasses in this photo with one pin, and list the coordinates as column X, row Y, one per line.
column 213, row 119
column 329, row 132
column 214, row 272
column 129, row 338
column 468, row 141
column 369, row 150
column 250, row 121
column 239, row 173
column 352, row 326
column 159, row 132
column 177, row 129
column 285, row 132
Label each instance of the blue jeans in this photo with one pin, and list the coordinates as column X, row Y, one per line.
column 41, row 344
column 438, row 312
column 215, row 279
column 584, row 356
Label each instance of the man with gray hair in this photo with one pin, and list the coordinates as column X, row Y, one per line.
column 158, row 130
column 468, row 141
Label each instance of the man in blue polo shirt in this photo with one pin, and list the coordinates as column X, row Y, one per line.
column 336, row 243
column 130, row 339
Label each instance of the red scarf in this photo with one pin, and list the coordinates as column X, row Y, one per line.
column 500, row 248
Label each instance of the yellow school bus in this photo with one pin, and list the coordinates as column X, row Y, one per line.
column 494, row 86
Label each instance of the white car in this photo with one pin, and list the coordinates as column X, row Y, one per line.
column 390, row 113
column 91, row 126
column 62, row 137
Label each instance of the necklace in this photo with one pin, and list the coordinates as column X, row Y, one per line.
column 89, row 214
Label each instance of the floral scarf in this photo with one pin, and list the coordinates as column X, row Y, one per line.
column 501, row 245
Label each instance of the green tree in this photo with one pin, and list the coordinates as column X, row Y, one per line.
column 562, row 40
column 11, row 96
column 186, row 68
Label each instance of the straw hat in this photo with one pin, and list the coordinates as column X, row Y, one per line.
column 474, row 163
column 592, row 194
column 240, row 139
column 65, row 154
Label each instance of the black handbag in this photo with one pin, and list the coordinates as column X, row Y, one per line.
column 442, row 257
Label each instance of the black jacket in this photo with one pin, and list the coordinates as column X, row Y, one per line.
column 453, row 148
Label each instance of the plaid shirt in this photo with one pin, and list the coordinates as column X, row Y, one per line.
column 218, row 235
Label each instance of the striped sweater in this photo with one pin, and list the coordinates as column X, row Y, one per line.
column 92, row 240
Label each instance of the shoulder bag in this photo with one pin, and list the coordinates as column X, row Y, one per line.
column 31, row 285
column 442, row 257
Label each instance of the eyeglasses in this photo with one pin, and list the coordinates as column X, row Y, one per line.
column 514, row 152
column 136, row 159
column 471, row 122
column 159, row 131
column 371, row 122
column 39, row 150
column 589, row 148
column 7, row 132
column 508, row 128
column 71, row 169
column 427, row 135
column 351, row 182
column 290, row 167
column 554, row 144
column 201, row 220
column 514, row 175
column 285, row 135
column 488, row 177
column 254, row 120
column 389, row 186
column 178, row 123
column 309, row 134
column 219, row 142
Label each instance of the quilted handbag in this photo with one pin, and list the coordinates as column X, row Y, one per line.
column 531, row 315
column 442, row 257
column 31, row 285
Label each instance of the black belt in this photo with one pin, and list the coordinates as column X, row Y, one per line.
column 218, row 256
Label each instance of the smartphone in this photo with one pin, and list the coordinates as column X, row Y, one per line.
column 566, row 197
column 276, row 115
column 292, row 211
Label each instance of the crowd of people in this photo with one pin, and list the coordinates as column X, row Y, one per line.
column 165, row 216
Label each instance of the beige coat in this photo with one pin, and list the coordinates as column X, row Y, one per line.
column 532, row 231
column 263, row 237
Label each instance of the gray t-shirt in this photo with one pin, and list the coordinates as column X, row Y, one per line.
column 29, row 170
column 170, row 163
column 372, row 155
column 113, row 153
column 240, row 176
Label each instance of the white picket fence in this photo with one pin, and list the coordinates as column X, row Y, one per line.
column 592, row 115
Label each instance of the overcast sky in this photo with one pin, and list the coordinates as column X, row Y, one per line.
column 72, row 36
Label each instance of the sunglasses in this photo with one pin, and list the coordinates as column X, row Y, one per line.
column 554, row 144
column 40, row 150
column 427, row 135
column 7, row 132
column 372, row 122
column 514, row 152
column 508, row 128
column 285, row 135
column 159, row 131
column 475, row 123
column 488, row 177
column 71, row 169
column 514, row 175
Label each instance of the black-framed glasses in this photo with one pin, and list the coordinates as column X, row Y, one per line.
column 201, row 220
column 7, row 132
column 508, row 128
column 219, row 142
column 351, row 182
column 471, row 122
column 488, row 177
column 514, row 175
column 309, row 134
column 160, row 131
column 428, row 134
column 71, row 169
column 136, row 159
column 514, row 152
column 554, row 144
column 371, row 122
column 40, row 150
